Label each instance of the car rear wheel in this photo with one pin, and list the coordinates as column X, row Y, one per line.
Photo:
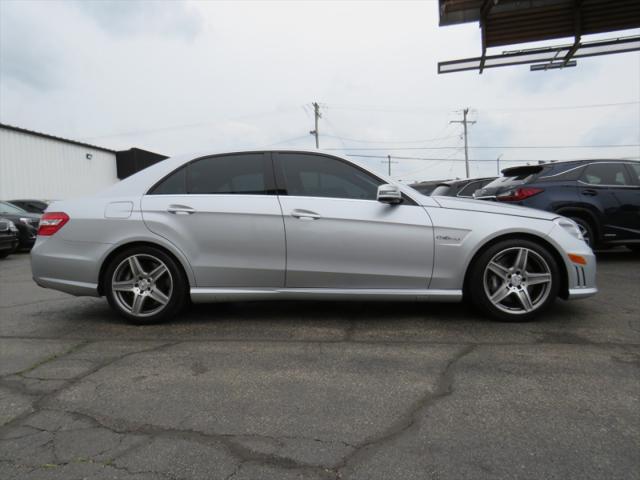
column 514, row 280
column 145, row 285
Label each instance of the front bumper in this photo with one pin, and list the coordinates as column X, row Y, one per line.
column 8, row 243
column 578, row 293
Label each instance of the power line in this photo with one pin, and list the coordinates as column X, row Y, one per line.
column 483, row 159
column 427, row 140
column 492, row 146
column 408, row 109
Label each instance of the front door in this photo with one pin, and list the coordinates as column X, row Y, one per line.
column 339, row 236
column 609, row 185
column 222, row 212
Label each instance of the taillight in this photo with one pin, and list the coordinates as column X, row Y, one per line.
column 51, row 222
column 518, row 194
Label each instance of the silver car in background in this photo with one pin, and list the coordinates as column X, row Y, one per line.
column 260, row 225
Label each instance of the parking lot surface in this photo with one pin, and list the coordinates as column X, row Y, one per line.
column 288, row 390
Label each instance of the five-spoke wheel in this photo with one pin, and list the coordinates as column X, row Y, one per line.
column 145, row 285
column 514, row 280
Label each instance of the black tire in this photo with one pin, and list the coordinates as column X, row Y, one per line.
column 634, row 247
column 541, row 296
column 588, row 231
column 176, row 296
column 5, row 254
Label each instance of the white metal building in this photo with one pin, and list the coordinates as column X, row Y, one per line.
column 35, row 165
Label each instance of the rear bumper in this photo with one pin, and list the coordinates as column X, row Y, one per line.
column 67, row 266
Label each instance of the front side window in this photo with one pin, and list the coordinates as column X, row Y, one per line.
column 605, row 174
column 308, row 175
column 240, row 174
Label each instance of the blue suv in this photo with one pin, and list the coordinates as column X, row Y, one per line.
column 601, row 196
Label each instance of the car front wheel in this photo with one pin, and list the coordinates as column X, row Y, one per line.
column 145, row 285
column 514, row 280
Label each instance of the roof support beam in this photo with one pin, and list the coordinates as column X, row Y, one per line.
column 577, row 31
column 484, row 13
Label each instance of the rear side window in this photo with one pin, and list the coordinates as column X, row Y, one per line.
column 308, row 175
column 174, row 184
column 241, row 174
column 605, row 174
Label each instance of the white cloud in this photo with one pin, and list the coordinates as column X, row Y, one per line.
column 174, row 77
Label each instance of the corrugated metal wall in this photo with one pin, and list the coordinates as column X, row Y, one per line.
column 42, row 168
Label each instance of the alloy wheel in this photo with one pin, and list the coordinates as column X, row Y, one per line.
column 585, row 233
column 142, row 285
column 517, row 280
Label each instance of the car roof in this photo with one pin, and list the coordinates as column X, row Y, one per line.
column 146, row 178
column 550, row 164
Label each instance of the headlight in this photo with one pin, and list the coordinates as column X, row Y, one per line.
column 12, row 227
column 25, row 220
column 570, row 227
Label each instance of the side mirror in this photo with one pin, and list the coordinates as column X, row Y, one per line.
column 389, row 194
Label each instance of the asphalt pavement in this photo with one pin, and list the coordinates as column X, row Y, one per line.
column 294, row 390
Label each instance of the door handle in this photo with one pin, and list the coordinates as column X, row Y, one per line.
column 304, row 214
column 180, row 210
column 590, row 192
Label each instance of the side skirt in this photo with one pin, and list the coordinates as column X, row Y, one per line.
column 204, row 295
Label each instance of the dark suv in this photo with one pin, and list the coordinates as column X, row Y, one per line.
column 601, row 196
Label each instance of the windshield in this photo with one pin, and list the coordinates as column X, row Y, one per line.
column 11, row 209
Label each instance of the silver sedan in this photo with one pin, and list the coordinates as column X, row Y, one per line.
column 261, row 225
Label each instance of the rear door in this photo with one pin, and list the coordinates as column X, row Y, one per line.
column 609, row 185
column 223, row 213
column 340, row 236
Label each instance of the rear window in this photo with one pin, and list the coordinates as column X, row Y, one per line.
column 441, row 190
column 515, row 176
column 470, row 188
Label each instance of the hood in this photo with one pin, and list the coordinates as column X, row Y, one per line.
column 492, row 207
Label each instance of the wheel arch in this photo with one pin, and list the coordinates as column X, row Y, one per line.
column 563, row 292
column 586, row 215
column 140, row 243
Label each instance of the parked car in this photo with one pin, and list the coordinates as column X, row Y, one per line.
column 426, row 187
column 27, row 223
column 302, row 225
column 31, row 206
column 601, row 196
column 461, row 188
column 8, row 237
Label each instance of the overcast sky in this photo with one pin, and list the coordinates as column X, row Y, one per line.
column 177, row 77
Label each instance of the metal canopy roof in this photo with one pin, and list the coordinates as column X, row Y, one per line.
column 508, row 22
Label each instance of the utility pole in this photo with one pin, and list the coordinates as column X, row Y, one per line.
column 464, row 122
column 388, row 161
column 318, row 115
column 498, row 161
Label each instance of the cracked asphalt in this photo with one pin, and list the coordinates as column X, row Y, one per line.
column 289, row 390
